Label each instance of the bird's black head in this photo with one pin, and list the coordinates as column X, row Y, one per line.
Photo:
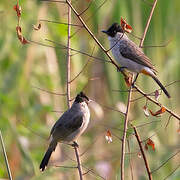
column 112, row 31
column 81, row 97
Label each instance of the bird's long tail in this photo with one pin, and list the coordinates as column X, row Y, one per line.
column 161, row 86
column 150, row 72
column 47, row 156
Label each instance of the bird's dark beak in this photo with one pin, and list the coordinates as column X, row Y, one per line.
column 104, row 32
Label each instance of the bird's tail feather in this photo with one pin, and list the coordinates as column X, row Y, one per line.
column 161, row 86
column 47, row 156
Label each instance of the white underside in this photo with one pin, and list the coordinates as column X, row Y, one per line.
column 124, row 62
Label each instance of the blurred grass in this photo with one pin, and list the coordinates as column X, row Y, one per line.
column 26, row 112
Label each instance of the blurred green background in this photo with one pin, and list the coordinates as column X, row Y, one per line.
column 26, row 113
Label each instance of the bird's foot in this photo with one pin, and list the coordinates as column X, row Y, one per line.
column 120, row 69
column 75, row 144
column 133, row 84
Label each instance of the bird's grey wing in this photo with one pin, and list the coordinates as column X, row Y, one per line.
column 67, row 124
column 129, row 50
column 65, row 116
column 75, row 124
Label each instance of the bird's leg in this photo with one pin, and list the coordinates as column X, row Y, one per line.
column 135, row 79
column 121, row 69
column 75, row 144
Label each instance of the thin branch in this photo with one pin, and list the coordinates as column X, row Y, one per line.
column 123, row 91
column 92, row 35
column 172, row 172
column 100, row 6
column 124, row 135
column 59, row 94
column 157, row 103
column 93, row 172
column 168, row 121
column 68, row 65
column 153, row 93
column 112, row 109
column 144, row 140
column 33, row 131
column 5, row 156
column 78, row 162
column 155, row 46
column 131, row 167
column 67, row 167
column 57, row 22
column 68, row 86
column 53, row 1
column 82, row 69
column 81, row 52
column 165, row 162
column 142, row 125
column 115, row 128
column 143, row 153
column 89, row 170
column 90, row 16
column 148, row 3
column 89, row 147
column 86, row 8
column 148, row 22
column 115, row 43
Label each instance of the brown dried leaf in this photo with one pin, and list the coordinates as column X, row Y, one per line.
column 108, row 136
column 157, row 95
column 20, row 36
column 37, row 27
column 151, row 143
column 126, row 27
column 146, row 112
column 17, row 8
column 159, row 112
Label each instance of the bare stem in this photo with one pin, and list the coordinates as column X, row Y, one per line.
column 165, row 162
column 148, row 22
column 124, row 135
column 92, row 35
column 157, row 103
column 131, row 166
column 68, row 59
column 5, row 156
column 78, row 162
column 143, row 153
column 68, row 85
